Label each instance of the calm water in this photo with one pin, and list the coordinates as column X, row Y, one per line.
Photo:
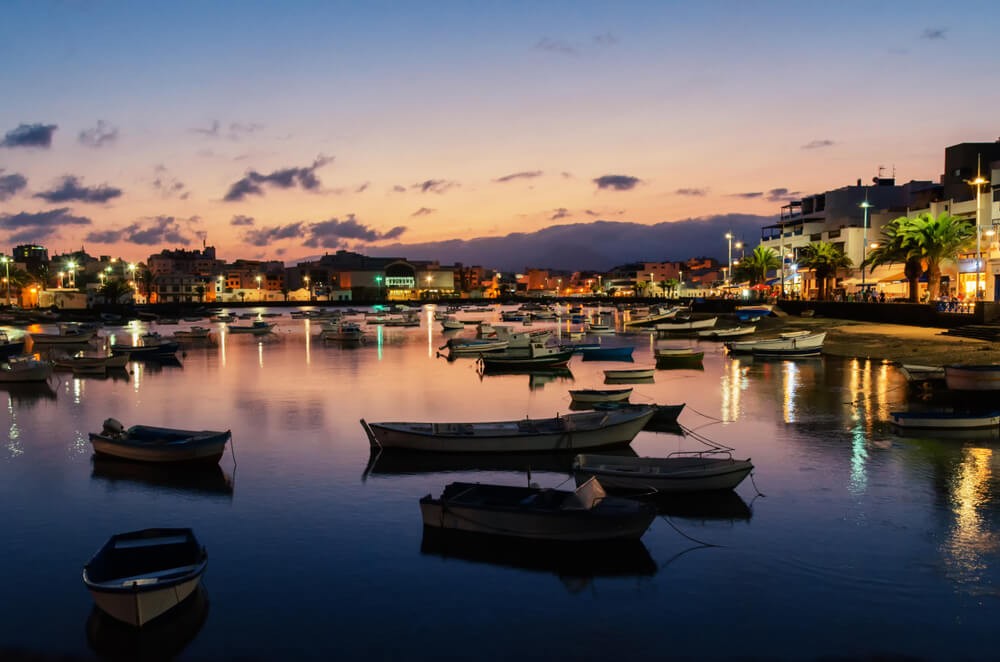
column 865, row 543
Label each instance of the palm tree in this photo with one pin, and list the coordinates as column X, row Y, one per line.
column 936, row 239
column 824, row 259
column 754, row 267
column 891, row 251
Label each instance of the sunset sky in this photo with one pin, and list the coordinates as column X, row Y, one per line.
column 284, row 129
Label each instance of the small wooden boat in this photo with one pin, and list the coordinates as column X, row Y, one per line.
column 623, row 353
column 593, row 395
column 791, row 343
column 137, row 576
column 572, row 431
column 653, row 318
column 917, row 374
column 973, row 377
column 685, row 353
column 146, row 443
column 686, row 326
column 257, row 328
column 731, row 332
column 630, row 373
column 945, row 420
column 194, row 333
column 700, row 472
column 586, row 514
column 24, row 368
column 536, row 356
column 664, row 416
column 449, row 323
column 343, row 331
column 82, row 363
column 68, row 334
column 152, row 347
column 456, row 346
column 600, row 328
column 520, row 339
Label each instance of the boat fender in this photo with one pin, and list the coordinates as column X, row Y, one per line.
column 113, row 427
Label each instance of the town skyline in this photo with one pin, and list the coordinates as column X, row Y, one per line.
column 311, row 128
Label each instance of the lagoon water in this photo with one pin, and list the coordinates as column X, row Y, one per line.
column 865, row 544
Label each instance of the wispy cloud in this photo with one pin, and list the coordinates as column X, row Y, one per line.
column 30, row 135
column 528, row 174
column 253, row 183
column 782, row 195
column 240, row 219
column 555, row 46
column 232, row 131
column 693, row 192
column 562, row 212
column 617, row 182
column 34, row 227
column 434, row 185
column 362, row 188
column 71, row 190
column 101, row 135
column 152, row 231
column 748, row 196
column 169, row 186
column 934, row 33
column 11, row 185
column 818, row 144
column 423, row 211
column 398, row 189
column 331, row 233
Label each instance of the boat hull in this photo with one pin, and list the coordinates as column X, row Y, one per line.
column 137, row 609
column 204, row 446
column 579, row 432
column 639, row 373
column 972, row 377
column 674, row 475
column 591, row 396
column 947, row 421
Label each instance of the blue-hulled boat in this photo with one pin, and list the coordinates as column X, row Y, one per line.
column 623, row 353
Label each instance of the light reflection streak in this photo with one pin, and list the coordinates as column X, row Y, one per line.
column 308, row 331
column 137, row 367
column 77, row 390
column 733, row 381
column 430, row 331
column 260, row 353
column 970, row 543
column 222, row 346
column 378, row 339
column 789, row 388
column 14, row 446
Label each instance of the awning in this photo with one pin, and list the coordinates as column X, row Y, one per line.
column 894, row 278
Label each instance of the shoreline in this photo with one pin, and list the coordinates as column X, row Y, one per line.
column 896, row 342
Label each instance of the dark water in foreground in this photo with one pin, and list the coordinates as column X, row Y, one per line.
column 865, row 544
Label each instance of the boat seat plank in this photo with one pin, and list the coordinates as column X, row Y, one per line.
column 149, row 577
column 150, row 542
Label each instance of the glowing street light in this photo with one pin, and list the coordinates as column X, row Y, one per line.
column 308, row 289
column 978, row 183
column 378, row 287
column 258, row 288
column 71, row 268
column 864, row 246
column 729, row 238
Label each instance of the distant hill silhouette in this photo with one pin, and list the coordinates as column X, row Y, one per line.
column 598, row 246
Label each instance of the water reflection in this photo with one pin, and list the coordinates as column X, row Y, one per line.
column 576, row 564
column 971, row 540
column 721, row 505
column 393, row 462
column 26, row 394
column 209, row 480
column 163, row 638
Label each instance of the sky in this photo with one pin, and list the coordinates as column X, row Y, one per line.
column 274, row 130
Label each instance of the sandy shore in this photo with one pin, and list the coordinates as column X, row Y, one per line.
column 891, row 342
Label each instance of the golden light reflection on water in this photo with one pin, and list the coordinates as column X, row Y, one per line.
column 868, row 385
column 14, row 446
column 789, row 389
column 308, row 338
column 222, row 346
column 734, row 381
column 971, row 541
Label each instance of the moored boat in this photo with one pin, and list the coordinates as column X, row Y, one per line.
column 193, row 333
column 467, row 347
column 24, row 369
column 697, row 472
column 572, row 431
column 586, row 514
column 68, row 334
column 147, row 443
column 622, row 353
column 973, row 377
column 789, row 343
column 686, row 326
column 664, row 417
column 593, row 395
column 731, row 332
column 343, row 331
column 915, row 420
column 630, row 373
column 9, row 347
column 536, row 356
column 137, row 576
column 916, row 374
column 257, row 328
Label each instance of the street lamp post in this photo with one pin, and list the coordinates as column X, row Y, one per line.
column 309, row 293
column 378, row 288
column 978, row 183
column 864, row 246
column 258, row 289
column 729, row 238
